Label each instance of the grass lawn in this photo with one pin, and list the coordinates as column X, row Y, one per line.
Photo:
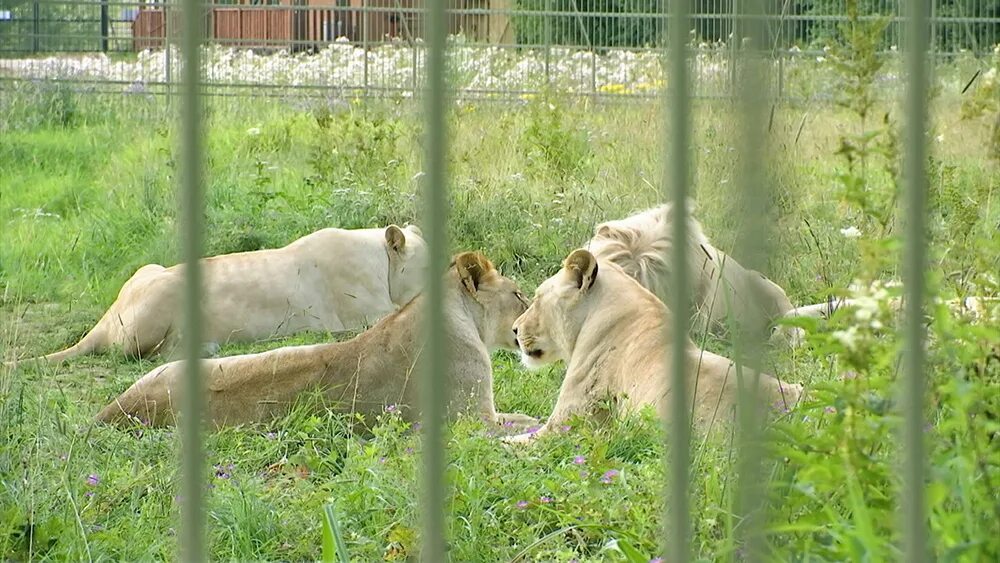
column 86, row 197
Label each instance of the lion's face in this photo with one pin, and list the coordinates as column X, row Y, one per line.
column 544, row 332
column 503, row 303
column 499, row 299
column 407, row 262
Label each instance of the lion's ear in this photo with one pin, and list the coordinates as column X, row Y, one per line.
column 472, row 268
column 582, row 266
column 394, row 238
column 414, row 229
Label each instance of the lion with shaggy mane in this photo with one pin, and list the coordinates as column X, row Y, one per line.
column 363, row 375
column 613, row 335
column 724, row 292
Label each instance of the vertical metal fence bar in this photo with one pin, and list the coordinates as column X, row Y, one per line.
column 914, row 267
column 192, row 519
column 435, row 363
column 752, row 91
column 676, row 177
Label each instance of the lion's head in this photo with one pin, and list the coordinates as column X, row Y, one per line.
column 499, row 299
column 546, row 330
column 407, row 262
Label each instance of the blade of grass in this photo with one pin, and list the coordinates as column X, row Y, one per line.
column 334, row 548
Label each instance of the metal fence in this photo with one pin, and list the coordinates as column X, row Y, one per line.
column 497, row 48
column 544, row 31
column 435, row 366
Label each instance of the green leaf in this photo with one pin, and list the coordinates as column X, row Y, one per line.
column 334, row 548
column 632, row 553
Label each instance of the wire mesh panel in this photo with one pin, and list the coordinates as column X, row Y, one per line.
column 500, row 48
column 756, row 72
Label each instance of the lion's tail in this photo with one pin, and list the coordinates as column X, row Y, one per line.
column 93, row 341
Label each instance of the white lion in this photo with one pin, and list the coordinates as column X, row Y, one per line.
column 722, row 290
column 614, row 336
column 364, row 375
column 332, row 280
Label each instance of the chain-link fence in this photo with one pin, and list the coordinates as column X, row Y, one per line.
column 498, row 48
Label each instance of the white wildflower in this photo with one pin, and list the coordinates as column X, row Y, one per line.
column 850, row 232
column 253, row 131
column 848, row 338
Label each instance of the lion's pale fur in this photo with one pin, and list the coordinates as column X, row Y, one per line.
column 362, row 375
column 722, row 290
column 614, row 337
column 331, row 280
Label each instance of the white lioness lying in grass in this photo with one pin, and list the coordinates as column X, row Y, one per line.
column 362, row 375
column 722, row 289
column 866, row 303
column 613, row 335
column 333, row 280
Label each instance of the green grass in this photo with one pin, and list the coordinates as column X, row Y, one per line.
column 87, row 198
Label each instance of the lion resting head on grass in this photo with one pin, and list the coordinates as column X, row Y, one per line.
column 613, row 335
column 331, row 280
column 365, row 375
column 722, row 290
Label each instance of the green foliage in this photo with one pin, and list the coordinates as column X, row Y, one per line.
column 552, row 143
column 356, row 157
column 620, row 23
column 84, row 205
column 984, row 101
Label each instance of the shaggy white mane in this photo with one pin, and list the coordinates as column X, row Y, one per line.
column 641, row 245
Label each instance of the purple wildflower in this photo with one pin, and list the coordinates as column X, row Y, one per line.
column 271, row 436
column 565, row 428
column 544, row 499
column 609, row 476
column 656, row 560
column 508, row 424
column 533, row 429
column 381, row 459
column 522, row 504
column 391, row 408
column 579, row 460
column 829, row 410
column 224, row 471
column 93, row 480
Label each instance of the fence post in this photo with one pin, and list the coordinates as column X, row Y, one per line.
column 548, row 42
column 167, row 35
column 104, row 26
column 192, row 536
column 35, row 13
column 912, row 516
column 752, row 89
column 435, row 367
column 365, row 5
column 676, row 177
